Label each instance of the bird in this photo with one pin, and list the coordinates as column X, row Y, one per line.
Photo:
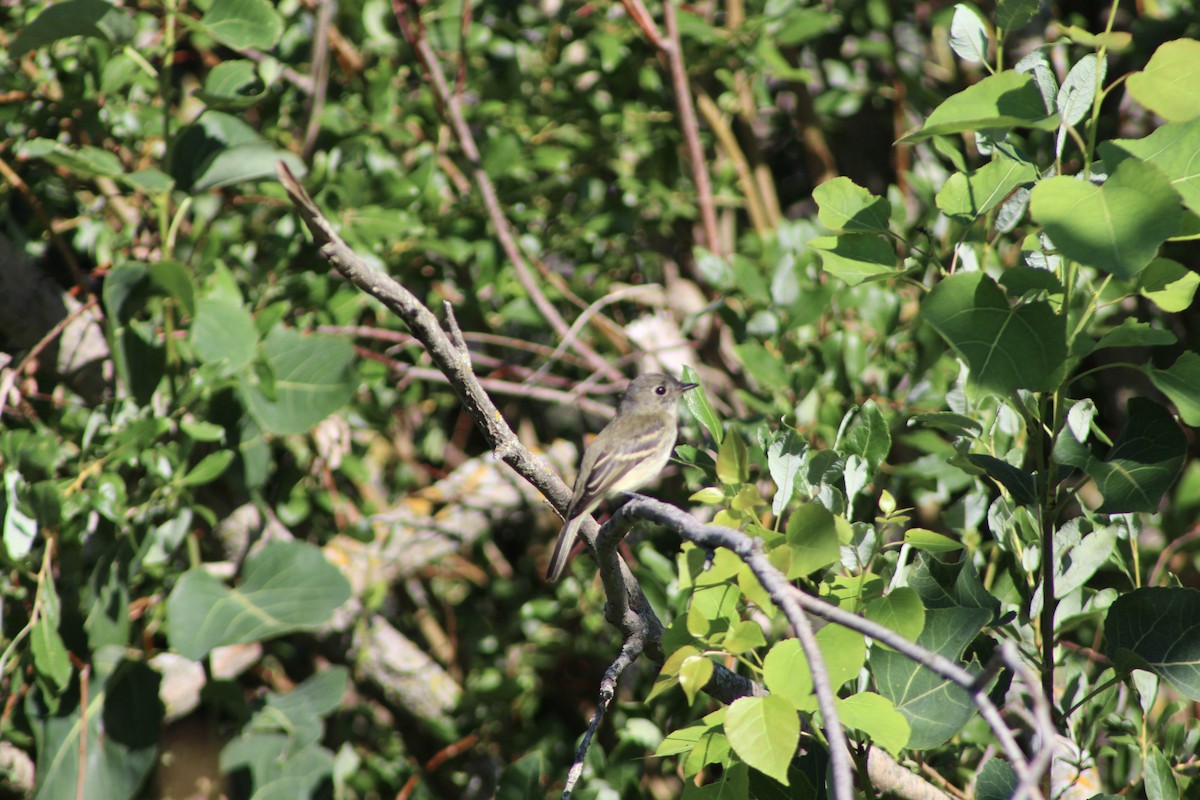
column 626, row 455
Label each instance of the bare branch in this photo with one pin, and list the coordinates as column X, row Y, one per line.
column 672, row 48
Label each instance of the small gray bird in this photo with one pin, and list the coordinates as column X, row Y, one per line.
column 630, row 451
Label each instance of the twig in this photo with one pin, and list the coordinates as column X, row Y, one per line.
column 725, row 136
column 451, row 107
column 320, row 71
column 582, row 319
column 672, row 48
column 510, row 389
column 630, row 650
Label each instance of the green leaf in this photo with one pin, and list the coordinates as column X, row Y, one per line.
column 948, row 422
column 522, row 779
column 846, row 207
column 1118, row 226
column 85, row 161
column 121, row 723
column 668, row 674
column 899, row 610
column 875, row 716
column 764, row 732
column 812, row 533
column 1168, row 284
column 1171, row 148
column 1155, row 629
column 931, row 542
column 699, row 407
column 844, row 652
column 20, row 529
column 870, row 437
column 968, row 34
column 1019, row 483
column 234, row 84
column 745, row 636
column 50, row 657
column 298, row 713
column 935, row 708
column 93, row 18
column 1140, row 467
column 785, row 459
column 1012, row 14
column 223, row 333
column 786, row 675
column 968, row 197
column 1158, row 778
column 1078, row 91
column 221, row 150
column 211, row 467
column 1181, row 383
column 242, row 24
column 694, row 675
column 1170, row 84
column 173, row 278
column 311, row 380
column 996, row 781
column 855, row 258
column 1134, row 333
column 277, row 769
column 1006, row 348
column 1002, row 101
column 287, row 586
column 733, row 464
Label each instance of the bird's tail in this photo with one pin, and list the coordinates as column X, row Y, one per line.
column 562, row 548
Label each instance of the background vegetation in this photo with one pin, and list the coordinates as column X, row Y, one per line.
column 934, row 266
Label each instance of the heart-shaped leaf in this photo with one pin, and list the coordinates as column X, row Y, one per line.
column 1155, row 629
column 1005, row 347
column 1117, row 226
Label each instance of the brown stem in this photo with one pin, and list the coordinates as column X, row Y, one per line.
column 672, row 48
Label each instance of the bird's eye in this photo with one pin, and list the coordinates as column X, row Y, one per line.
column 660, row 390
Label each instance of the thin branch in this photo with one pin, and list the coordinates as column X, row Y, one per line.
column 320, row 71
column 582, row 319
column 630, row 650
column 755, row 208
column 632, row 609
column 672, row 48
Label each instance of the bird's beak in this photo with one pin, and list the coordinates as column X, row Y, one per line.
column 687, row 387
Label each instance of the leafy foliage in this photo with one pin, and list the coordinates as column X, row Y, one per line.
column 947, row 340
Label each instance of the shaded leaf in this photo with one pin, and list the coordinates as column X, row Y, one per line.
column 93, row 18
column 1155, row 629
column 1142, row 464
column 1005, row 347
column 935, row 708
column 1181, row 383
column 844, row 206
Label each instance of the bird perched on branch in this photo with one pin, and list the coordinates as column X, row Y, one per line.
column 630, row 451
